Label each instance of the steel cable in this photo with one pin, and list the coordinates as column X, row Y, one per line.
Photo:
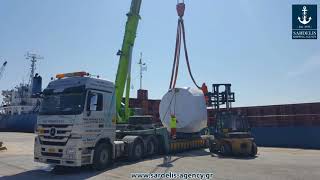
column 175, row 67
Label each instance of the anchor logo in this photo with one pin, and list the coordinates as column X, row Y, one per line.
column 304, row 20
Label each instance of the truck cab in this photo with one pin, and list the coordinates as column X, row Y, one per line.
column 77, row 113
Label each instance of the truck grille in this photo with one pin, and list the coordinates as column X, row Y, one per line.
column 53, row 161
column 51, row 154
column 48, row 143
column 49, row 137
column 55, row 125
column 54, row 134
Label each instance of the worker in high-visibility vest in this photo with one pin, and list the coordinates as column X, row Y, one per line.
column 173, row 126
column 205, row 91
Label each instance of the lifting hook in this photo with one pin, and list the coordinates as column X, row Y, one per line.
column 180, row 8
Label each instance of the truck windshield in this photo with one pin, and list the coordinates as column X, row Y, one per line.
column 62, row 104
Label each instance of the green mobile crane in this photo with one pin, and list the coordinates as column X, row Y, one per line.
column 123, row 77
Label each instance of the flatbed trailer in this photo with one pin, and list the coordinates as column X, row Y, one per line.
column 165, row 144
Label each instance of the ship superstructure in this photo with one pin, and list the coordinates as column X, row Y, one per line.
column 21, row 104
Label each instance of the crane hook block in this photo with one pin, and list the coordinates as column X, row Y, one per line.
column 180, row 9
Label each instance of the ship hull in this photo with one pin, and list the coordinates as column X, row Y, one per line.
column 18, row 123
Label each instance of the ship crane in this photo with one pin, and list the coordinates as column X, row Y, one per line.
column 3, row 68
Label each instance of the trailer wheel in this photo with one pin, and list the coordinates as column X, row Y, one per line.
column 254, row 149
column 151, row 146
column 225, row 149
column 137, row 151
column 212, row 147
column 102, row 156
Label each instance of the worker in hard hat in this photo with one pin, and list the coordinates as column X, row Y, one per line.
column 205, row 91
column 173, row 126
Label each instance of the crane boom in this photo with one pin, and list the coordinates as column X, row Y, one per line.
column 124, row 67
column 2, row 69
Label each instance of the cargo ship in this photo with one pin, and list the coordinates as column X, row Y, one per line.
column 20, row 105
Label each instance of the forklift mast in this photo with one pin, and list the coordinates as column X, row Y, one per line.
column 219, row 97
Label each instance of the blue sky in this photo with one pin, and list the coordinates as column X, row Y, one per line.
column 247, row 43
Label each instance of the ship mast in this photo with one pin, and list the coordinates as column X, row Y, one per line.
column 33, row 58
column 143, row 67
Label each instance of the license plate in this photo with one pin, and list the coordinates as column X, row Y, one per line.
column 51, row 150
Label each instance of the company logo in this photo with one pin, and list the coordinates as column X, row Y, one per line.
column 304, row 16
column 53, row 131
column 304, row 21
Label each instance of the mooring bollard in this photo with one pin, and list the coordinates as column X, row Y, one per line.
column 2, row 147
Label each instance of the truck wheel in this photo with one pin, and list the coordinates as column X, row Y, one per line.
column 101, row 157
column 225, row 149
column 212, row 147
column 254, row 149
column 137, row 151
column 151, row 143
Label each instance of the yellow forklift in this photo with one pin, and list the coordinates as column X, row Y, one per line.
column 231, row 131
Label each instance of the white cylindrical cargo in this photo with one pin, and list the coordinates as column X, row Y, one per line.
column 189, row 107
